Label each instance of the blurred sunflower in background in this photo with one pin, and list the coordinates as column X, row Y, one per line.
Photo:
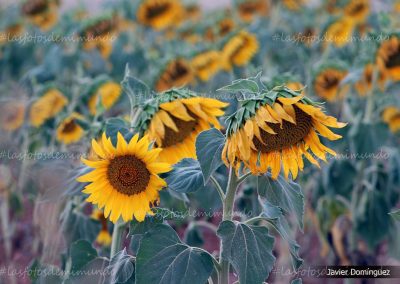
column 339, row 32
column 327, row 83
column 41, row 13
column 107, row 93
column 125, row 179
column 364, row 85
column 270, row 131
column 69, row 131
column 388, row 58
column 175, row 118
column 294, row 5
column 206, row 64
column 239, row 50
column 12, row 30
column 12, row 115
column 159, row 14
column 357, row 10
column 103, row 238
column 47, row 106
column 249, row 9
column 177, row 73
column 391, row 115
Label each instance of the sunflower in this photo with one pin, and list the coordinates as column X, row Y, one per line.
column 47, row 106
column 339, row 33
column 327, row 83
column 11, row 31
column 125, row 180
column 42, row 13
column 294, row 5
column 206, row 64
column 225, row 26
column 357, row 10
column 249, row 9
column 277, row 128
column 391, row 115
column 239, row 50
column 103, row 238
column 159, row 14
column 364, row 85
column 108, row 93
column 69, row 131
column 388, row 58
column 174, row 119
column 177, row 73
column 12, row 115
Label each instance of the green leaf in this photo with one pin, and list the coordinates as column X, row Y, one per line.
column 395, row 215
column 115, row 125
column 81, row 253
column 209, row 145
column 241, row 85
column 297, row 281
column 122, row 268
column 134, row 87
column 163, row 258
column 328, row 210
column 248, row 249
column 185, row 177
column 284, row 194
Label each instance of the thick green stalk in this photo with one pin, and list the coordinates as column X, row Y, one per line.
column 227, row 211
column 116, row 243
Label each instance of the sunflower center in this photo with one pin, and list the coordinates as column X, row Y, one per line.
column 330, row 82
column 290, row 134
column 248, row 7
column 157, row 10
column 179, row 70
column 34, row 7
column 185, row 128
column 394, row 59
column 69, row 127
column 128, row 175
column 100, row 28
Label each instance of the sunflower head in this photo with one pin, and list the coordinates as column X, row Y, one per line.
column 249, row 9
column 174, row 119
column 13, row 30
column 125, row 180
column 177, row 73
column 159, row 14
column 327, row 83
column 206, row 64
column 388, row 58
column 364, row 85
column 339, row 32
column 103, row 238
column 391, row 116
column 42, row 13
column 294, row 5
column 357, row 10
column 12, row 115
column 69, row 131
column 104, row 92
column 239, row 50
column 47, row 106
column 276, row 128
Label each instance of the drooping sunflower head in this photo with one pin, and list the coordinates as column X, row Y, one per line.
column 206, row 64
column 42, row 13
column 12, row 115
column 47, row 106
column 327, row 83
column 159, row 14
column 249, row 9
column 391, row 116
column 239, row 50
column 175, row 118
column 357, row 10
column 388, row 58
column 177, row 73
column 364, row 85
column 69, row 131
column 277, row 129
column 104, row 92
column 125, row 180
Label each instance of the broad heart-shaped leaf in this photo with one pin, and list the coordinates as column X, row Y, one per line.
column 209, row 145
column 185, row 177
column 81, row 253
column 134, row 87
column 274, row 216
column 395, row 215
column 162, row 259
column 284, row 194
column 248, row 249
column 122, row 268
column 115, row 125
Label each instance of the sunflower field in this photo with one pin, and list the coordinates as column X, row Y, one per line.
column 193, row 142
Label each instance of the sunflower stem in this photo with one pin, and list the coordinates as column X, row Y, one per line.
column 116, row 242
column 227, row 209
column 218, row 187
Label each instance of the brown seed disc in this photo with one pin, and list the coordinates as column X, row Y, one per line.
column 185, row 128
column 330, row 82
column 394, row 59
column 128, row 175
column 34, row 7
column 156, row 10
column 290, row 134
column 69, row 127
